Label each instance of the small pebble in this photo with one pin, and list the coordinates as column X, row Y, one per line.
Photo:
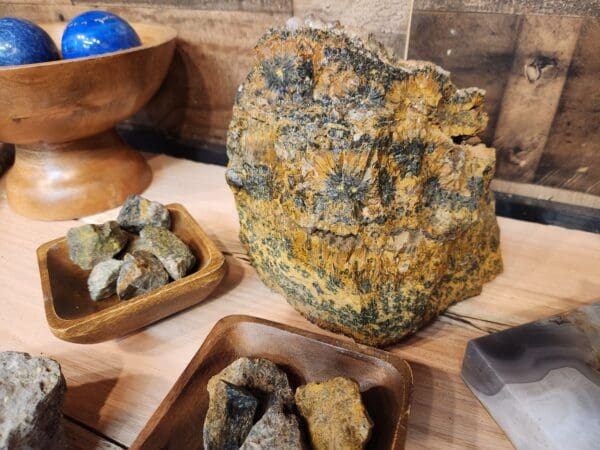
column 91, row 244
column 138, row 212
column 172, row 252
column 102, row 281
column 140, row 273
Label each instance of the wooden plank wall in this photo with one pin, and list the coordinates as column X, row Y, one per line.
column 539, row 63
column 537, row 60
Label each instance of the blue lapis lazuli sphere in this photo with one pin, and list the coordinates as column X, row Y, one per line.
column 23, row 42
column 95, row 33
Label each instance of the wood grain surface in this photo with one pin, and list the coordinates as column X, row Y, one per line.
column 115, row 386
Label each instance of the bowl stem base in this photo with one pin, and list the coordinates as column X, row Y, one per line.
column 75, row 179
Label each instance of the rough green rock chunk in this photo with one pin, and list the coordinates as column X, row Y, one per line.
column 335, row 414
column 32, row 391
column 229, row 417
column 360, row 196
column 102, row 281
column 91, row 244
column 140, row 273
column 172, row 252
column 138, row 212
column 276, row 430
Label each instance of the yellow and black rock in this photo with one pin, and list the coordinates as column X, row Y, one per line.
column 358, row 195
column 335, row 415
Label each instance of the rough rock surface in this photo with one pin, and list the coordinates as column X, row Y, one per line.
column 91, row 244
column 172, row 252
column 102, row 281
column 257, row 375
column 359, row 197
column 275, row 430
column 140, row 273
column 138, row 212
column 229, row 417
column 335, row 415
column 32, row 391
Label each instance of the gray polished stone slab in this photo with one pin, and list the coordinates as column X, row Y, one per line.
column 541, row 381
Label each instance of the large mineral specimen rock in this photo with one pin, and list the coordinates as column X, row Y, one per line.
column 91, row 244
column 335, row 414
column 32, row 391
column 358, row 195
column 229, row 417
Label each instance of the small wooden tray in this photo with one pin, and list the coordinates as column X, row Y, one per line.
column 73, row 316
column 385, row 380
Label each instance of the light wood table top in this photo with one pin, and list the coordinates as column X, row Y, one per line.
column 114, row 387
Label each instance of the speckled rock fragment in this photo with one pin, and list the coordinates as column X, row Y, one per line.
column 32, row 391
column 102, row 281
column 335, row 414
column 138, row 212
column 91, row 244
column 172, row 252
column 140, row 273
column 256, row 374
column 229, row 417
column 359, row 197
column 276, row 430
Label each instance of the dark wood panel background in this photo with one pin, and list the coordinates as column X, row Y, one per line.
column 539, row 62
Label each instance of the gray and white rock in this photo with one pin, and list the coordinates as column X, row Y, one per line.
column 90, row 244
column 138, row 212
column 256, row 374
column 32, row 392
column 229, row 417
column 102, row 281
column 173, row 253
column 275, row 430
column 140, row 273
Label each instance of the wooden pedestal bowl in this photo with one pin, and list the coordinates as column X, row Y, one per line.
column 60, row 116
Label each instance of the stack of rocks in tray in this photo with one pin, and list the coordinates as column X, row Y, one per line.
column 32, row 391
column 252, row 406
column 151, row 254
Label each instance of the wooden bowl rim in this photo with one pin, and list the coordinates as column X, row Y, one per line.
column 227, row 324
column 67, row 328
column 163, row 35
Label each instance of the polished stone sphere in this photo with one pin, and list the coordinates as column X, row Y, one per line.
column 95, row 33
column 23, row 42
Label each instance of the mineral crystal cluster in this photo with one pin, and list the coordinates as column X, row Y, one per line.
column 361, row 194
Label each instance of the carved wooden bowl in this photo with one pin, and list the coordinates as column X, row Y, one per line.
column 60, row 116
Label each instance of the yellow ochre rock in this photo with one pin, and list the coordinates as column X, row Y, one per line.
column 360, row 195
column 335, row 415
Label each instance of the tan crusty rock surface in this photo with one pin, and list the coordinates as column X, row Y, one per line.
column 335, row 415
column 360, row 196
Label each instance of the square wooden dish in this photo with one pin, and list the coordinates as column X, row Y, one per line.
column 73, row 316
column 385, row 380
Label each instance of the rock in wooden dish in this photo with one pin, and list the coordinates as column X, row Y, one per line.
column 252, row 407
column 133, row 255
column 363, row 194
